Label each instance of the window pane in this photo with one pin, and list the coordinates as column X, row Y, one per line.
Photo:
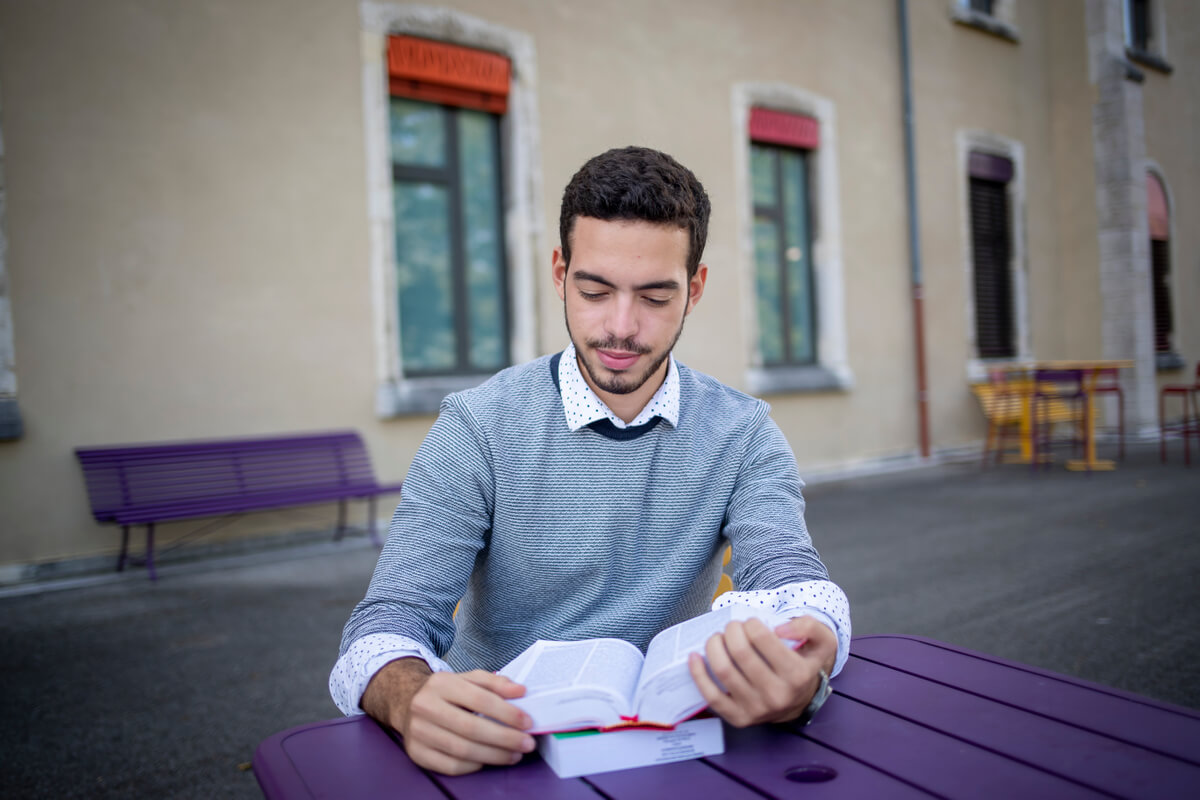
column 418, row 133
column 796, row 256
column 423, row 277
column 767, row 290
column 762, row 175
column 479, row 185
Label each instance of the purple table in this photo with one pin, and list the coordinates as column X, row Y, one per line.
column 910, row 717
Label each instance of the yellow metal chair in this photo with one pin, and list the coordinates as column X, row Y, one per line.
column 726, row 583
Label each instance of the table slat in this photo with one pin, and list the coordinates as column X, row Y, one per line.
column 367, row 763
column 531, row 778
column 692, row 779
column 761, row 756
column 1143, row 722
column 1093, row 759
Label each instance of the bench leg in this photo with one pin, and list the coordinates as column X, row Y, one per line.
column 124, row 548
column 371, row 521
column 341, row 524
column 150, row 551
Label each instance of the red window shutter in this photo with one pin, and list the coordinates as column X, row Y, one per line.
column 448, row 74
column 780, row 127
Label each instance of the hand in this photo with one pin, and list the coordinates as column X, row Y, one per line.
column 438, row 716
column 765, row 680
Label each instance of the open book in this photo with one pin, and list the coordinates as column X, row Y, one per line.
column 608, row 684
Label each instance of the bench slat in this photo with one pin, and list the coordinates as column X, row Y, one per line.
column 149, row 483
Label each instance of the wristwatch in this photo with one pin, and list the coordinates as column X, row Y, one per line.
column 818, row 700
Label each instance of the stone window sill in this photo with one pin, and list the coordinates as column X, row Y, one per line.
column 1150, row 60
column 420, row 396
column 987, row 24
column 790, row 380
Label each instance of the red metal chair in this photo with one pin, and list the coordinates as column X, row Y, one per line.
column 1189, row 425
column 1108, row 381
column 1058, row 397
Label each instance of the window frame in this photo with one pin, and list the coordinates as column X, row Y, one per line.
column 989, row 143
column 449, row 176
column 778, row 212
column 11, row 426
column 396, row 393
column 831, row 371
column 1153, row 52
column 1001, row 21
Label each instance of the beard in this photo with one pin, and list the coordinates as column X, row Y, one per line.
column 619, row 382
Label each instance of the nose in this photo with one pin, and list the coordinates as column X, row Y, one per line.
column 622, row 322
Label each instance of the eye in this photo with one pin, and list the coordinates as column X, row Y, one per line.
column 591, row 295
column 657, row 301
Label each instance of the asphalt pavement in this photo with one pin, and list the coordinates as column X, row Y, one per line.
column 123, row 688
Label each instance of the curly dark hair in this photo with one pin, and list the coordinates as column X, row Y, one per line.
column 637, row 183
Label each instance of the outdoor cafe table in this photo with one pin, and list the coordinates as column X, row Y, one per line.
column 910, row 717
column 1089, row 373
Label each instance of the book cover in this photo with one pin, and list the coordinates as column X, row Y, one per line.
column 589, row 752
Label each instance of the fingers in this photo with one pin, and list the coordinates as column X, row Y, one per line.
column 457, row 723
column 764, row 679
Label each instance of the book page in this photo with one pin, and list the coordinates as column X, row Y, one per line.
column 576, row 684
column 666, row 691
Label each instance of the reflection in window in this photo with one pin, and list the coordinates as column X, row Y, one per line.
column 449, row 251
column 782, row 255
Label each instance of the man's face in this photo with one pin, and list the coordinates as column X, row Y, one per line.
column 625, row 294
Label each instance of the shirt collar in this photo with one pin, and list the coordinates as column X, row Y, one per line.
column 582, row 406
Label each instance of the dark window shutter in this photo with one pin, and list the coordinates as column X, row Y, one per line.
column 1160, row 267
column 994, row 328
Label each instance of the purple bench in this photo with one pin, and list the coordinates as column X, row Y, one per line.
column 151, row 483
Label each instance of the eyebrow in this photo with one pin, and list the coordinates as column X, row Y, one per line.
column 669, row 285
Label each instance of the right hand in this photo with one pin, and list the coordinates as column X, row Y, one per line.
column 439, row 716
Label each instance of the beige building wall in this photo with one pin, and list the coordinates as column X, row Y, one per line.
column 189, row 248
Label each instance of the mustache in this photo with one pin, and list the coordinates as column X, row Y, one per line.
column 613, row 343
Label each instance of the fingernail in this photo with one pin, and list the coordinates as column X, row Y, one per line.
column 515, row 757
column 526, row 721
column 528, row 744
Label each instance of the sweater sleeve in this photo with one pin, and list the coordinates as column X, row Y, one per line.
column 764, row 520
column 442, row 522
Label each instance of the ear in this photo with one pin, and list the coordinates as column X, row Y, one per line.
column 696, row 287
column 558, row 271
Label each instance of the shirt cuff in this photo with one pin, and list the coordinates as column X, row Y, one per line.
column 366, row 656
column 824, row 601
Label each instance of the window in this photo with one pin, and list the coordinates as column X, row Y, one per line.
column 995, row 329
column 453, row 200
column 1145, row 34
column 1158, row 211
column 11, row 426
column 995, row 294
column 1138, row 33
column 791, row 257
column 997, row 17
column 782, row 255
column 449, row 242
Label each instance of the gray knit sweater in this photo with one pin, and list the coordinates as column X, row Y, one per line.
column 545, row 533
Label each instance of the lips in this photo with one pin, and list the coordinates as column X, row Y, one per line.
column 616, row 360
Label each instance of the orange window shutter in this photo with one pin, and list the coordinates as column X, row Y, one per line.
column 780, row 127
column 449, row 74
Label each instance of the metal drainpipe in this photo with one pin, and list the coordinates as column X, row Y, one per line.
column 914, row 232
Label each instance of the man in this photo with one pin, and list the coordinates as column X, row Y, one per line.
column 589, row 494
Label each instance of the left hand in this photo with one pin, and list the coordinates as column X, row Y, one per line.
column 765, row 680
